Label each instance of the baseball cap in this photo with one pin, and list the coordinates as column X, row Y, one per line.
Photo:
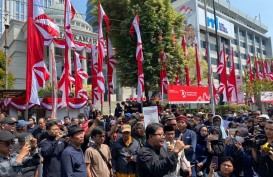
column 128, row 114
column 125, row 128
column 74, row 129
column 21, row 123
column 8, row 120
column 264, row 116
column 5, row 135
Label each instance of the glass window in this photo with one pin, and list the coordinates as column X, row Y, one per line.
column 214, row 61
column 263, row 42
column 22, row 9
column 49, row 3
column 251, row 49
column 257, row 39
column 203, row 44
column 237, row 66
column 17, row 16
column 212, row 47
column 234, row 41
column 264, row 52
column 45, row 3
column 243, row 56
column 242, row 44
column 242, row 33
column 249, row 36
column 17, row 6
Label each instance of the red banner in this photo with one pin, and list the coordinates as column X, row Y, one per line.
column 188, row 94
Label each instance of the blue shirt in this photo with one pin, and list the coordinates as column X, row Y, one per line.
column 72, row 162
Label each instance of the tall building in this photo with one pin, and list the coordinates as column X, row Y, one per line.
column 235, row 29
column 90, row 18
column 17, row 10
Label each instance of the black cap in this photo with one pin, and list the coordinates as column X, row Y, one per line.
column 22, row 137
column 74, row 129
column 6, row 135
column 8, row 120
column 168, row 128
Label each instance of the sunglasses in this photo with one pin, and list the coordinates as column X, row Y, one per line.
column 8, row 143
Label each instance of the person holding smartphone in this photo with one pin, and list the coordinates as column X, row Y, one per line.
column 226, row 168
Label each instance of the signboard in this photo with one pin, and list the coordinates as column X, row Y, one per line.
column 188, row 8
column 188, row 94
column 267, row 97
column 224, row 27
column 241, row 95
column 150, row 115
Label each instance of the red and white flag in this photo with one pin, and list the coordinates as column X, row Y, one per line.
column 164, row 81
column 67, row 80
column 221, row 69
column 184, row 47
column 100, row 78
column 266, row 74
column 251, row 74
column 139, row 57
column 96, row 96
column 198, row 69
column 232, row 86
column 176, row 78
column 80, row 74
column 110, row 66
column 40, row 27
column 259, row 75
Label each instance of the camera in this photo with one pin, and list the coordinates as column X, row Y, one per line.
column 256, row 142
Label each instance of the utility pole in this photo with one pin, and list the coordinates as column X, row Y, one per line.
column 209, row 63
column 6, row 23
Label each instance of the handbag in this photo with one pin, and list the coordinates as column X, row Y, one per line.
column 104, row 159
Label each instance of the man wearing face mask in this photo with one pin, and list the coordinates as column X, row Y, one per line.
column 83, row 121
column 236, row 148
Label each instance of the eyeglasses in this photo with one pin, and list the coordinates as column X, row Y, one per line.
column 8, row 143
column 160, row 134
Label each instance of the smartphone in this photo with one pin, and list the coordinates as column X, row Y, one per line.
column 27, row 139
column 215, row 137
column 215, row 161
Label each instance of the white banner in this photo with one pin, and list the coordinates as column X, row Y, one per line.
column 150, row 115
column 267, row 97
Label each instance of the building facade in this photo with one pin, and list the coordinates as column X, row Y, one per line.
column 235, row 30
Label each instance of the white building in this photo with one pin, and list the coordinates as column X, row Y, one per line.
column 236, row 30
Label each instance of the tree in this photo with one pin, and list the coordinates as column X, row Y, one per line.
column 191, row 63
column 157, row 17
column 2, row 72
column 254, row 89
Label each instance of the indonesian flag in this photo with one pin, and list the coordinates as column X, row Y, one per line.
column 110, row 66
column 221, row 69
column 215, row 94
column 251, row 74
column 270, row 74
column 232, row 86
column 96, row 96
column 184, row 46
column 40, row 28
column 139, row 57
column 80, row 74
column 265, row 70
column 164, row 81
column 101, row 55
column 259, row 75
column 198, row 70
column 66, row 79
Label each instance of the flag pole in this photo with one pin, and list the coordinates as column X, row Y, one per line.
column 209, row 64
column 109, row 96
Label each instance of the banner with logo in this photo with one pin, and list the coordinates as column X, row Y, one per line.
column 188, row 94
column 188, row 8
column 224, row 27
column 150, row 115
column 267, row 97
column 240, row 92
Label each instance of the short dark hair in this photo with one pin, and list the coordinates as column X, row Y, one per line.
column 249, row 120
column 31, row 118
column 81, row 115
column 227, row 159
column 51, row 124
column 97, row 131
column 151, row 129
column 65, row 117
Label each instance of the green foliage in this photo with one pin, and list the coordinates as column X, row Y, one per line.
column 191, row 64
column 2, row 72
column 157, row 17
column 223, row 109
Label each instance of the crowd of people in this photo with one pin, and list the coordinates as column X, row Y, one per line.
column 237, row 144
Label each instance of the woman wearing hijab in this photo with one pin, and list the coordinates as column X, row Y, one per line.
column 215, row 145
column 218, row 121
column 201, row 150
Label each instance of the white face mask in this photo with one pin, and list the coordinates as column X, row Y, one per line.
column 239, row 139
column 230, row 115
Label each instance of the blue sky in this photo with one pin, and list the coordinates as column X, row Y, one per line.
column 250, row 7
